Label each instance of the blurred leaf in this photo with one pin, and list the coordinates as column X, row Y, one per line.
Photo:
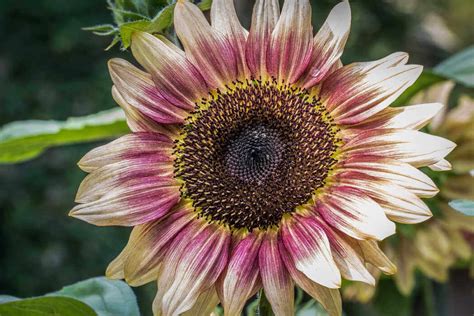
column 459, row 67
column 7, row 298
column 426, row 79
column 464, row 206
column 312, row 308
column 23, row 140
column 106, row 297
column 264, row 306
column 46, row 306
column 389, row 302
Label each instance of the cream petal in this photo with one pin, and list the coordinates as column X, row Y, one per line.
column 358, row 91
column 442, row 165
column 413, row 147
column 348, row 260
column 205, row 304
column 309, row 247
column 207, row 49
column 139, row 122
column 397, row 172
column 276, row 280
column 291, row 42
column 194, row 261
column 174, row 76
column 328, row 44
column 376, row 257
column 224, row 20
column 352, row 212
column 406, row 117
column 399, row 204
column 330, row 299
column 264, row 19
column 241, row 279
column 139, row 91
column 140, row 146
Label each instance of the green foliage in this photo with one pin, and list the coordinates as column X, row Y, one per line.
column 23, row 140
column 426, row 79
column 46, row 306
column 463, row 206
column 459, row 67
column 389, row 302
column 153, row 17
column 106, row 297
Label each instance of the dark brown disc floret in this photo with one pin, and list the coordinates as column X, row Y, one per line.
column 250, row 154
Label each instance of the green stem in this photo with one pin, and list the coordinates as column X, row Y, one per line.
column 428, row 295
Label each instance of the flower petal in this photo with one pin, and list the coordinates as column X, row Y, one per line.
column 264, row 18
column 205, row 304
column 397, row 172
column 194, row 261
column 442, row 165
column 241, row 279
column 376, row 257
column 276, row 280
column 291, row 43
column 208, row 50
column 354, row 213
column 224, row 20
column 309, row 247
column 138, row 90
column 329, row 44
column 357, row 91
column 174, row 76
column 406, row 117
column 139, row 122
column 413, row 147
column 140, row 146
column 398, row 203
column 329, row 298
column 344, row 250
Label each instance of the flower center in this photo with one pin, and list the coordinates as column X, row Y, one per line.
column 254, row 152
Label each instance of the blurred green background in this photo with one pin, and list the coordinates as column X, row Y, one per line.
column 51, row 69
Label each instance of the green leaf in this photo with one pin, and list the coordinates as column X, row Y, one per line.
column 101, row 29
column 426, row 79
column 162, row 20
column 23, row 140
column 312, row 308
column 389, row 302
column 264, row 306
column 459, row 67
column 46, row 306
column 127, row 29
column 106, row 297
column 205, row 5
column 463, row 206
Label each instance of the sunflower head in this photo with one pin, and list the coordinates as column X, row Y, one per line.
column 257, row 160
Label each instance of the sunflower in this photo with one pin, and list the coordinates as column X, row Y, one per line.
column 257, row 160
column 451, row 230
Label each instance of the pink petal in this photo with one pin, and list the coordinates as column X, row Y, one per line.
column 241, row 279
column 309, row 247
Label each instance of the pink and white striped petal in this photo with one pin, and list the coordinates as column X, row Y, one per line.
column 277, row 282
column 348, row 260
column 413, row 147
column 397, row 172
column 291, row 42
column 224, row 20
column 328, row 44
column 131, row 204
column 142, row 147
column 354, row 213
column 264, row 19
column 139, row 122
column 194, row 261
column 211, row 52
column 330, row 299
column 407, row 117
column 358, row 91
column 139, row 91
column 308, row 245
column 373, row 255
column 174, row 76
column 399, row 204
column 205, row 304
column 241, row 278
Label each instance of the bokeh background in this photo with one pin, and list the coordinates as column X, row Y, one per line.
column 51, row 69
